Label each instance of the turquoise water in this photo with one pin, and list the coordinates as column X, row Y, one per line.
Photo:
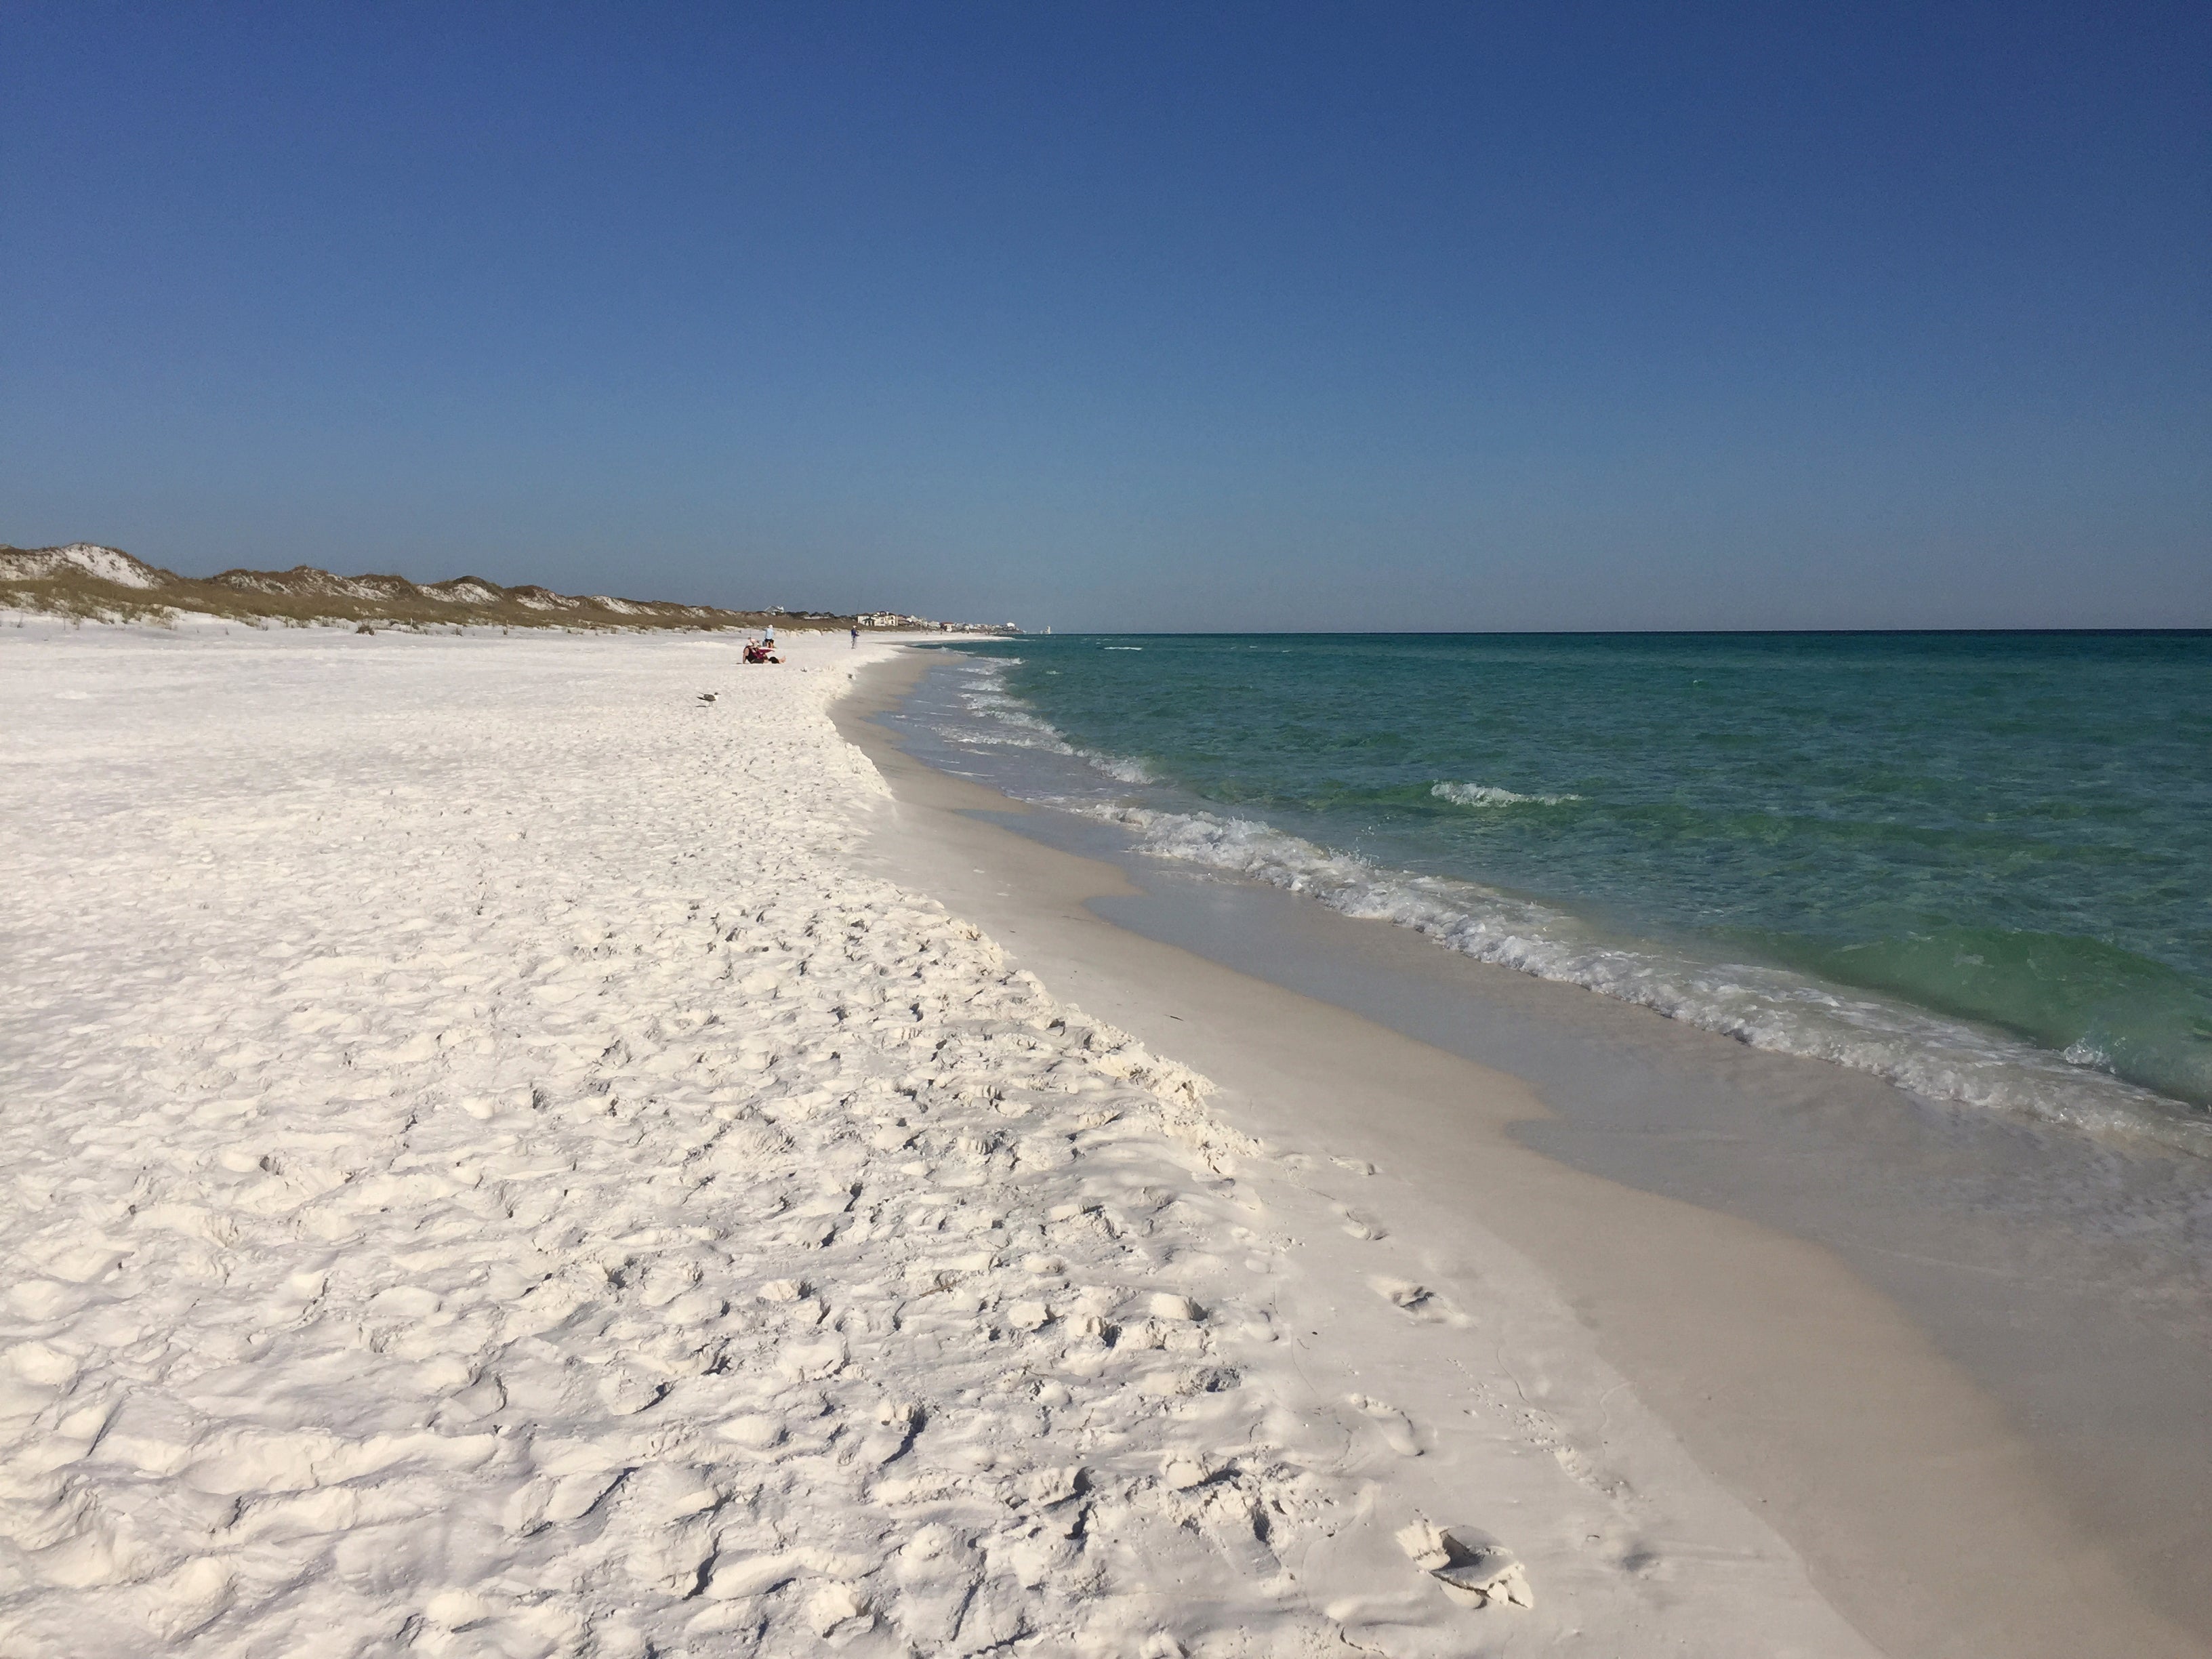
column 1980, row 864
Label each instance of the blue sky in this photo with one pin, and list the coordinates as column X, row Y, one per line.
column 1132, row 317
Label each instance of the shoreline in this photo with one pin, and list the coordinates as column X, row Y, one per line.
column 1808, row 1392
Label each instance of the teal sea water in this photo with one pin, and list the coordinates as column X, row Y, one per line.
column 1978, row 864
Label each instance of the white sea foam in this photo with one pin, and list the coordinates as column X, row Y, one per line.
column 1484, row 795
column 1002, row 720
column 1769, row 1008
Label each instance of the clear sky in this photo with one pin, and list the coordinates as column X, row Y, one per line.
column 1130, row 316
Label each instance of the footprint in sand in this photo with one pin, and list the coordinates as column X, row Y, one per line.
column 1417, row 1301
column 1358, row 1225
column 1475, row 1569
column 897, row 1423
column 1397, row 1429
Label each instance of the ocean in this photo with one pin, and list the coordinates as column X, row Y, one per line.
column 1977, row 865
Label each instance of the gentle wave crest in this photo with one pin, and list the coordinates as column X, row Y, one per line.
column 1012, row 725
column 1484, row 795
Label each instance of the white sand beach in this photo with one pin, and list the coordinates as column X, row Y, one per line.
column 496, row 1166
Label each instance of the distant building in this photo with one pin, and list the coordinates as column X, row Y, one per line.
column 924, row 625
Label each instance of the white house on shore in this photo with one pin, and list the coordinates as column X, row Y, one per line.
column 923, row 624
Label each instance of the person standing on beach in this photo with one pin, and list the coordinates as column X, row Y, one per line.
column 856, row 639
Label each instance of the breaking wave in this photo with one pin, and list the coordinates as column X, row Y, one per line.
column 1763, row 1007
